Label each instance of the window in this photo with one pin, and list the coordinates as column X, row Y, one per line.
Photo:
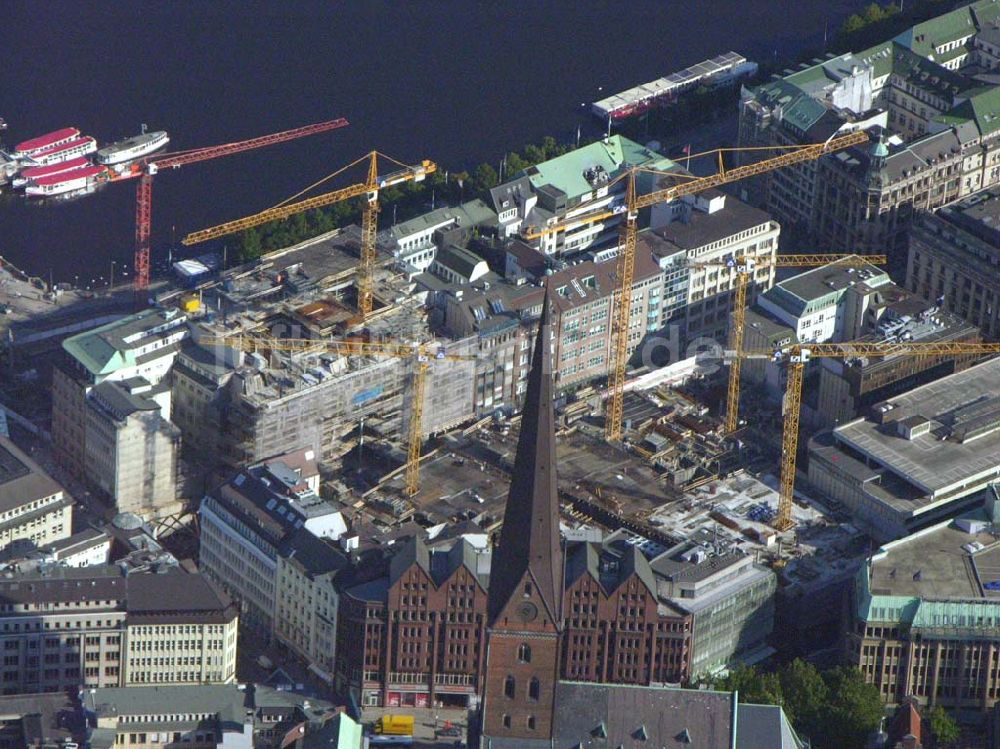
column 524, row 653
column 531, row 722
column 508, row 687
column 527, row 590
column 506, row 721
column 534, row 689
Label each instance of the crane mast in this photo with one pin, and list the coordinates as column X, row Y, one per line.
column 420, row 354
column 626, row 262
column 146, row 168
column 798, row 355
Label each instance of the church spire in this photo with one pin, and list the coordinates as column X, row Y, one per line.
column 530, row 552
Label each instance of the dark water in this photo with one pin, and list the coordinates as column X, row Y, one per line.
column 456, row 81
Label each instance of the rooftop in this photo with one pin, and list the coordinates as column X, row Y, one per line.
column 795, row 293
column 567, row 172
column 21, row 479
column 111, row 347
column 963, row 441
column 224, row 700
column 701, row 228
column 979, row 215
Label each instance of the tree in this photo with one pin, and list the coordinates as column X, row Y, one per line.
column 249, row 246
column 943, row 726
column 854, row 708
column 484, row 178
column 805, row 695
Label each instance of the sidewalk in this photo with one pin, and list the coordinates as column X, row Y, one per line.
column 428, row 723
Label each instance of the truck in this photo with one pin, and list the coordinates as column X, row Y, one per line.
column 392, row 730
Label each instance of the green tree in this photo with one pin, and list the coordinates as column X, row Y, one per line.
column 854, row 708
column 249, row 245
column 484, row 178
column 943, row 726
column 515, row 164
column 806, row 695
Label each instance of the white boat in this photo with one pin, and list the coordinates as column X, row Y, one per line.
column 133, row 148
column 74, row 179
column 64, row 152
column 36, row 172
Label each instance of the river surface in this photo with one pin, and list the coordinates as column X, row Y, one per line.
column 456, row 81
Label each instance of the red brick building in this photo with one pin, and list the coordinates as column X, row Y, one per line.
column 451, row 626
column 415, row 635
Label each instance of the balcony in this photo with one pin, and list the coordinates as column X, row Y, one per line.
column 408, row 677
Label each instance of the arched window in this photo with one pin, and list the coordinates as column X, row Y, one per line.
column 508, row 687
column 524, row 653
column 506, row 721
column 531, row 722
column 527, row 590
column 534, row 688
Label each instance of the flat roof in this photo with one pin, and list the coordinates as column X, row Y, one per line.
column 931, row 566
column 939, row 460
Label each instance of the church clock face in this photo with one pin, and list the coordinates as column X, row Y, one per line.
column 527, row 611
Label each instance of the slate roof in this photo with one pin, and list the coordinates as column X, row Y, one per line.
column 21, row 479
column 605, row 715
column 529, row 539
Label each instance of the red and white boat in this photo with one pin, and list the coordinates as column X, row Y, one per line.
column 65, row 151
column 49, row 140
column 36, row 172
column 74, row 179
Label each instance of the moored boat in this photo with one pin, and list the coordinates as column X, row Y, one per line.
column 133, row 148
column 65, row 151
column 74, row 179
column 42, row 142
column 37, row 172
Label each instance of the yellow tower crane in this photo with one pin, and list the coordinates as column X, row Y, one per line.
column 420, row 353
column 798, row 355
column 745, row 267
column 634, row 202
column 369, row 218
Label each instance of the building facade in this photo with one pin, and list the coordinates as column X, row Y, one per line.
column 267, row 539
column 132, row 448
column 95, row 626
column 953, row 258
column 142, row 345
column 921, row 626
column 33, row 507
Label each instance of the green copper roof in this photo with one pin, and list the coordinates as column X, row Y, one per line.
column 106, row 349
column 945, row 28
column 983, row 108
column 566, row 172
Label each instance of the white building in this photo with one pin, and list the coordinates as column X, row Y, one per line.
column 268, row 539
column 33, row 507
column 413, row 242
column 576, row 184
column 826, row 303
column 714, row 228
column 142, row 345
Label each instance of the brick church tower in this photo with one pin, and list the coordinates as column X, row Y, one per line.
column 526, row 577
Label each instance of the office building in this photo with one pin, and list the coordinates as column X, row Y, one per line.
column 583, row 181
column 928, row 93
column 917, row 458
column 103, row 626
column 138, row 346
column 33, row 507
column 267, row 539
column 132, row 447
column 925, row 618
column 954, row 254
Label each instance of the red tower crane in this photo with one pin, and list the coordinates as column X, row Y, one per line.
column 146, row 168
